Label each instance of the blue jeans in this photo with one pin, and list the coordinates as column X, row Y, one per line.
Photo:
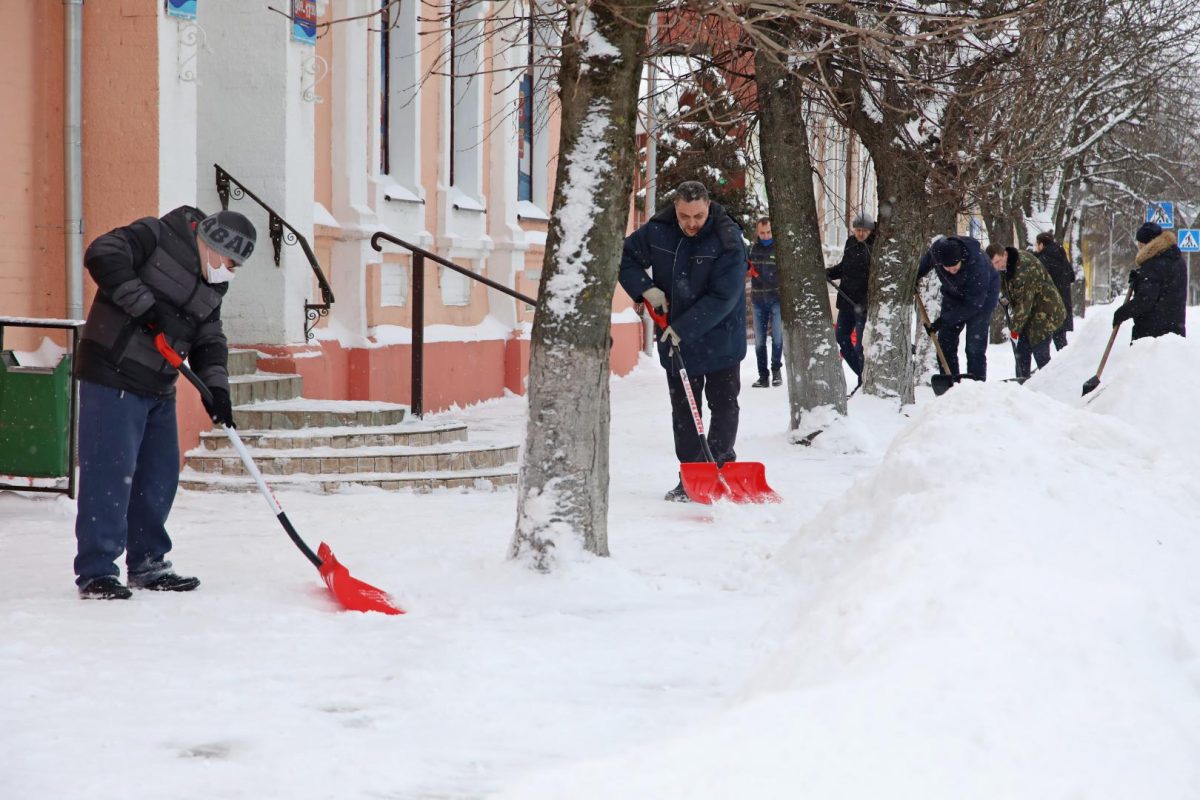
column 977, row 340
column 848, row 322
column 766, row 308
column 128, row 474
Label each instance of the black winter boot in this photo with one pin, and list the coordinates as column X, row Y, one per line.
column 678, row 494
column 762, row 382
column 164, row 582
column 106, row 588
column 777, row 377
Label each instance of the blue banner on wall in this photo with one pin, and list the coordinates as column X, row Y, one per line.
column 304, row 21
column 185, row 9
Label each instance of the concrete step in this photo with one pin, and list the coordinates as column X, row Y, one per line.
column 260, row 387
column 243, row 362
column 420, row 481
column 410, row 434
column 297, row 413
column 450, row 457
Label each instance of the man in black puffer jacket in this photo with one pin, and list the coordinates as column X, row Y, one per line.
column 970, row 293
column 1159, row 302
column 155, row 275
column 1054, row 258
column 854, row 272
column 697, row 262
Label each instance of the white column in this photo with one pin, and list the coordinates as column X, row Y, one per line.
column 354, row 146
column 179, row 45
column 256, row 124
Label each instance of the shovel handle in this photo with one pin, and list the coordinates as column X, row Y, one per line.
column 926, row 323
column 1111, row 339
column 176, row 361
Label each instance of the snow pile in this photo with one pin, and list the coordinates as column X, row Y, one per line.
column 1006, row 607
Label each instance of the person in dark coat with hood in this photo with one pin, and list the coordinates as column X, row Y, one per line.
column 1054, row 258
column 854, row 273
column 1159, row 302
column 696, row 259
column 163, row 275
column 970, row 292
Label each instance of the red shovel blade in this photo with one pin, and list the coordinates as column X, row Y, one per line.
column 736, row 481
column 353, row 594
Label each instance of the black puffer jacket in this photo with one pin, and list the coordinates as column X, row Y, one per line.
column 1063, row 274
column 1159, row 302
column 153, row 262
column 854, row 272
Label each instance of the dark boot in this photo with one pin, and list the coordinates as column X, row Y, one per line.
column 677, row 495
column 777, row 377
column 164, row 582
column 106, row 588
column 762, row 382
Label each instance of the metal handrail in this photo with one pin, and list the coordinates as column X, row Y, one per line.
column 418, row 309
column 276, row 226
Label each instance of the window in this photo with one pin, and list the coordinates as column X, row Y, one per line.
column 393, row 284
column 400, row 84
column 465, row 166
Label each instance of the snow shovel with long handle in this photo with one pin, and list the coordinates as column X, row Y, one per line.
column 350, row 592
column 940, row 383
column 705, row 481
column 1091, row 383
column 1013, row 342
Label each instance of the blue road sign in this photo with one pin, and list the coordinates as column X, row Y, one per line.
column 1161, row 212
column 1189, row 240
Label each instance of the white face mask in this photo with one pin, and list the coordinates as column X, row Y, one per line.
column 220, row 274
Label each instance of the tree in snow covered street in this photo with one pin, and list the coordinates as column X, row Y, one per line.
column 562, row 499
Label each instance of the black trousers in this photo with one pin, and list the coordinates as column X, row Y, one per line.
column 720, row 389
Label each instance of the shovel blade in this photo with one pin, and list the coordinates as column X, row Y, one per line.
column 941, row 384
column 1091, row 384
column 736, row 481
column 353, row 594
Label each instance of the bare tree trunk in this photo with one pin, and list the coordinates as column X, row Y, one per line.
column 815, row 376
column 562, row 496
column 904, row 226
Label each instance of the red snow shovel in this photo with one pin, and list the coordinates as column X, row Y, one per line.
column 704, row 481
column 353, row 594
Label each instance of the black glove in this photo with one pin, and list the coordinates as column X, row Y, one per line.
column 934, row 326
column 220, row 409
column 1134, row 276
column 1118, row 318
column 148, row 320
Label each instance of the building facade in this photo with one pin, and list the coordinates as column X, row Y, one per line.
column 435, row 125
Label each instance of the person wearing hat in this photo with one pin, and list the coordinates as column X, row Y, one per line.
column 1055, row 259
column 854, row 272
column 1159, row 280
column 166, row 274
column 970, row 293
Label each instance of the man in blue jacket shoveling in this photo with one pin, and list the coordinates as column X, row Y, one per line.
column 697, row 262
column 970, row 293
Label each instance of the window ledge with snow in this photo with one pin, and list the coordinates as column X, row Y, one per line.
column 397, row 193
column 465, row 202
column 527, row 210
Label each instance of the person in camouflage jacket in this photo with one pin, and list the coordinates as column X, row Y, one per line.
column 1035, row 307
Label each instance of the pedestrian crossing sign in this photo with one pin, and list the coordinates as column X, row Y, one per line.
column 1189, row 240
column 1162, row 213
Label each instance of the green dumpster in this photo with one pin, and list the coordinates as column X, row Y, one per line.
column 35, row 419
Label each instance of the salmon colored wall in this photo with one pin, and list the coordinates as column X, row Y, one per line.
column 120, row 142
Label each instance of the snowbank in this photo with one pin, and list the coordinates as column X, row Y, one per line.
column 1006, row 607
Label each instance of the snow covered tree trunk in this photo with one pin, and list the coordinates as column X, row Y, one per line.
column 562, row 495
column 815, row 376
column 904, row 223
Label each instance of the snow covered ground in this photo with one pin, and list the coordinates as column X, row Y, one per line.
column 993, row 595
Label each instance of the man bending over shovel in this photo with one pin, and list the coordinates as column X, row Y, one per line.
column 970, row 293
column 697, row 268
